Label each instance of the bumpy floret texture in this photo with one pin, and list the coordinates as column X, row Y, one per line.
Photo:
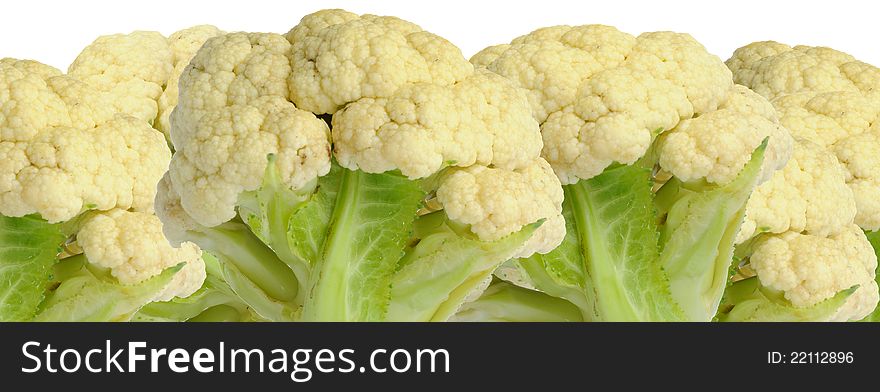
column 232, row 113
column 62, row 151
column 602, row 96
column 828, row 97
column 132, row 246
column 133, row 68
column 714, row 146
column 139, row 72
column 421, row 128
column 809, row 195
column 810, row 269
column 496, row 203
column 773, row 69
column 401, row 99
column 339, row 57
column 183, row 44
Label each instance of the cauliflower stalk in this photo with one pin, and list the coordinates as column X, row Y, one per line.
column 357, row 168
column 78, row 175
column 620, row 117
column 506, row 302
column 804, row 254
column 80, row 163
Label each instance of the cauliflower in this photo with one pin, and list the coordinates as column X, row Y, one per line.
column 331, row 168
column 183, row 44
column 808, row 196
column 132, row 246
column 79, row 165
column 485, row 197
column 828, row 97
column 602, row 96
column 611, row 107
column 695, row 150
column 810, row 269
column 802, row 236
column 139, row 71
column 132, row 68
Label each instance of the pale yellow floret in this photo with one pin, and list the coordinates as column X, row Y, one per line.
column 860, row 154
column 602, row 96
column 773, row 70
column 846, row 123
column 828, row 97
column 339, row 57
column 482, row 120
column 131, row 245
column 497, row 202
column 183, row 44
column 488, row 55
column 176, row 222
column 34, row 97
column 224, row 153
column 132, row 68
column 61, row 152
column 809, row 195
column 409, row 101
column 232, row 113
column 810, row 269
column 718, row 144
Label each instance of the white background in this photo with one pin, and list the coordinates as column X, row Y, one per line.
column 54, row 32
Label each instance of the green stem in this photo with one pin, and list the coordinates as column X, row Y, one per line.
column 613, row 304
column 234, row 243
column 279, row 224
column 327, row 297
column 219, row 313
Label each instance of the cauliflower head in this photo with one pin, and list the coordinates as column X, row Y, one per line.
column 78, row 173
column 603, row 96
column 241, row 85
column 358, row 124
column 828, row 97
column 132, row 246
column 63, row 152
column 808, row 196
column 810, row 269
column 139, row 71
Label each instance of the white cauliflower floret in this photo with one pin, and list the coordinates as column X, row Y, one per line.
column 235, row 109
column 132, row 68
column 809, row 195
column 828, row 97
column 421, row 128
column 497, row 202
column 773, row 69
column 602, row 96
column 132, row 247
column 175, row 221
column 339, row 57
column 34, row 97
column 551, row 63
column 224, row 154
column 62, row 171
column 63, row 153
column 232, row 113
column 860, row 154
column 718, row 144
column 846, row 123
column 828, row 117
column 810, row 269
column 183, row 44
